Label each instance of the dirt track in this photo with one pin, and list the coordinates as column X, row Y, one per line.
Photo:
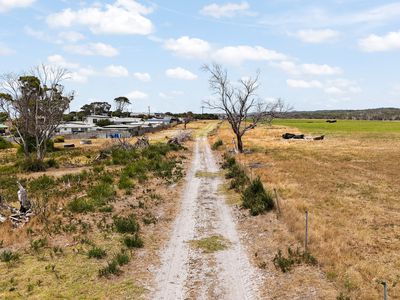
column 190, row 273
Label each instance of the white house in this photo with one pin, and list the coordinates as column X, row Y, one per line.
column 75, row 127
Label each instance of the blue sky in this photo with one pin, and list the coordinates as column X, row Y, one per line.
column 332, row 54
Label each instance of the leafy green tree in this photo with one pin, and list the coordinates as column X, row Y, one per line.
column 121, row 103
column 35, row 104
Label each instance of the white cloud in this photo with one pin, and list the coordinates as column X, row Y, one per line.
column 341, row 86
column 61, row 38
column 144, row 77
column 188, row 47
column 180, row 73
column 92, row 49
column 59, row 60
column 122, row 17
column 307, row 69
column 315, row 69
column 304, row 84
column 6, row 5
column 116, row 71
column 82, row 75
column 317, row 35
column 71, row 36
column 376, row 43
column 4, row 50
column 136, row 95
column 224, row 10
column 239, row 54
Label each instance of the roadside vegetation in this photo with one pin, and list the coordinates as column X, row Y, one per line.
column 100, row 207
column 348, row 183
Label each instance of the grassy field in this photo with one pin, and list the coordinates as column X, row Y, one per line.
column 341, row 126
column 349, row 183
column 98, row 223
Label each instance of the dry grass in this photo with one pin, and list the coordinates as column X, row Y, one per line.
column 350, row 186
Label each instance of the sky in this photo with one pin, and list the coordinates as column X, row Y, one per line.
column 332, row 54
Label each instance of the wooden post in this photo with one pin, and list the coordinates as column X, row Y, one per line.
column 306, row 237
column 277, row 202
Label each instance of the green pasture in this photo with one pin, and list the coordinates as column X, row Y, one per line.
column 341, row 126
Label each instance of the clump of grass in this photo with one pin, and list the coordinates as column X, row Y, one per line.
column 257, row 199
column 126, row 224
column 97, row 252
column 51, row 163
column 41, row 184
column 9, row 256
column 211, row 244
column 80, row 205
column 37, row 245
column 101, row 193
column 4, row 144
column 293, row 258
column 133, row 241
column 204, row 174
column 125, row 182
column 217, row 144
column 32, row 165
column 112, row 267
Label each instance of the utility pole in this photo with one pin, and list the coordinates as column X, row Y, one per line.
column 149, row 110
column 202, row 110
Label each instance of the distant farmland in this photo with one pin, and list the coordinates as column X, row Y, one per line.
column 341, row 126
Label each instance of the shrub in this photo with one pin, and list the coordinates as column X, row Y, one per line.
column 80, row 205
column 111, row 269
column 8, row 256
column 229, row 162
column 239, row 178
column 126, row 224
column 97, row 252
column 32, row 165
column 133, row 241
column 4, row 144
column 217, row 144
column 125, row 182
column 37, row 245
column 256, row 199
column 122, row 258
column 101, row 193
column 41, row 184
column 59, row 139
column 294, row 258
column 51, row 163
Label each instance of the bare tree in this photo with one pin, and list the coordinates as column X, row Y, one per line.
column 243, row 109
column 35, row 104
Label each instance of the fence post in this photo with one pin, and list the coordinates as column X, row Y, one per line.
column 277, row 201
column 306, row 236
column 384, row 290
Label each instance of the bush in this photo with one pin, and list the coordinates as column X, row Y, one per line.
column 256, row 199
column 239, row 178
column 4, row 144
column 217, row 144
column 32, row 165
column 133, row 241
column 80, row 205
column 41, row 184
column 37, row 245
column 294, row 258
column 122, row 258
column 126, row 224
column 59, row 139
column 8, row 256
column 111, row 269
column 52, row 163
column 97, row 253
column 101, row 193
column 229, row 162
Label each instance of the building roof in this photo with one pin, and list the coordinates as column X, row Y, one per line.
column 75, row 125
column 122, row 126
